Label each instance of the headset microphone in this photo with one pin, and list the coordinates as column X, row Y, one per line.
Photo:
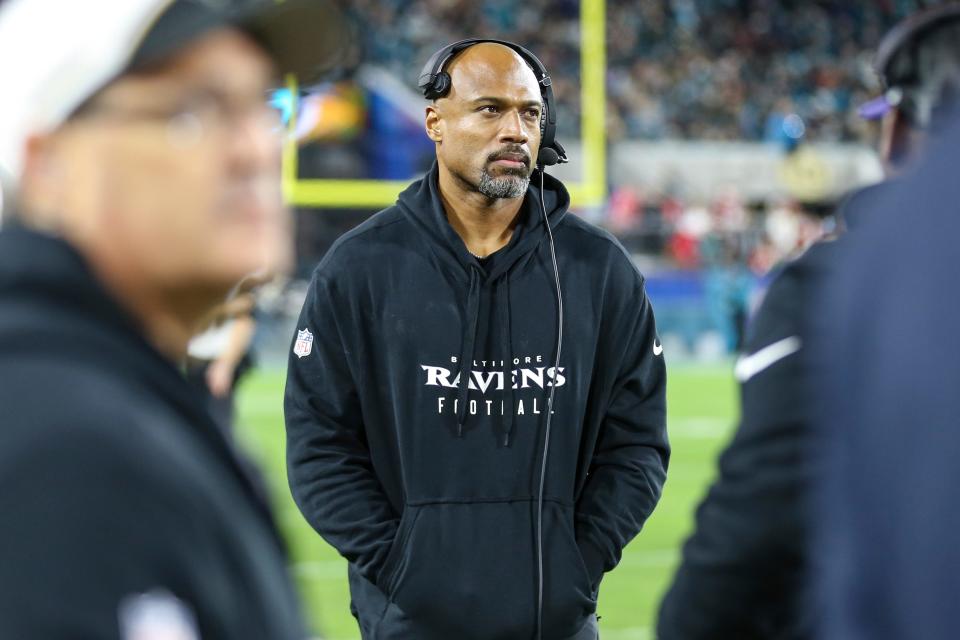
column 548, row 157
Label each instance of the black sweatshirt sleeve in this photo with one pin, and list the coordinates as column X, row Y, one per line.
column 741, row 571
column 629, row 463
column 328, row 461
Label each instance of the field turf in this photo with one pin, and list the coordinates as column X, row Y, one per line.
column 702, row 413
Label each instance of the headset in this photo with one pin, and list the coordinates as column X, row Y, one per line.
column 896, row 61
column 911, row 30
column 435, row 83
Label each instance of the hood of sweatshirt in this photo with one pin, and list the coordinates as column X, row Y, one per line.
column 423, row 206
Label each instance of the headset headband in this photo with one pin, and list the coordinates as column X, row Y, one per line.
column 434, row 82
column 908, row 31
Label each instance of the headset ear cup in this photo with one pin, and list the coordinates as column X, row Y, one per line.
column 439, row 87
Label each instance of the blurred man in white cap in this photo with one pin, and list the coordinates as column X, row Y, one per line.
column 144, row 182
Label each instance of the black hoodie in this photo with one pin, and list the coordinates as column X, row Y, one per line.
column 114, row 481
column 424, row 473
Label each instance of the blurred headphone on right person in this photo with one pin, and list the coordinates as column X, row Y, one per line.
column 918, row 71
column 435, row 83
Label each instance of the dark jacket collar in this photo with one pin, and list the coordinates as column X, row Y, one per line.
column 422, row 204
column 53, row 305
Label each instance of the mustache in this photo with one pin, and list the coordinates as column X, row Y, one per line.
column 510, row 153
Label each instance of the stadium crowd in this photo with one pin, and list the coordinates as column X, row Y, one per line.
column 688, row 69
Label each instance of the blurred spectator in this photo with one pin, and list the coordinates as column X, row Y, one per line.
column 624, row 209
column 728, row 284
column 220, row 355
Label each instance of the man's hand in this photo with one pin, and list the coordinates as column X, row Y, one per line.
column 220, row 377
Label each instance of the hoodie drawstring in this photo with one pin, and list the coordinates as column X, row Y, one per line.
column 466, row 348
column 506, row 337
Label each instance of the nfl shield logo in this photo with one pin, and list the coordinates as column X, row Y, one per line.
column 304, row 344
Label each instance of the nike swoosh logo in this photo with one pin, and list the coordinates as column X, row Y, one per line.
column 657, row 348
column 749, row 366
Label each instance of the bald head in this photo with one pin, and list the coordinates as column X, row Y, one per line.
column 487, row 128
column 489, row 62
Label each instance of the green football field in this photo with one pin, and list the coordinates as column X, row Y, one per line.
column 702, row 413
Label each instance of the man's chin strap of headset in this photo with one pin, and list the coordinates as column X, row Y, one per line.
column 435, row 83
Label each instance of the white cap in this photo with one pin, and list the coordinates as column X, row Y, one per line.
column 54, row 54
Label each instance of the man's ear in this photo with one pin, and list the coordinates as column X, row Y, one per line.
column 40, row 175
column 41, row 182
column 433, row 124
column 896, row 141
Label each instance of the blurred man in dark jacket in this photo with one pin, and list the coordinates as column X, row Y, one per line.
column 887, row 358
column 745, row 569
column 145, row 175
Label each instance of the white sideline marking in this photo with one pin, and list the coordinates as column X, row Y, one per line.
column 632, row 633
column 699, row 428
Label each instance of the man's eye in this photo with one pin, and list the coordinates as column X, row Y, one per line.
column 532, row 113
column 489, row 108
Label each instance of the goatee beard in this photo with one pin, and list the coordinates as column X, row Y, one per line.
column 503, row 187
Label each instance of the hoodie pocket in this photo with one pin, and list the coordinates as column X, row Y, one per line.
column 566, row 527
column 397, row 554
column 469, row 570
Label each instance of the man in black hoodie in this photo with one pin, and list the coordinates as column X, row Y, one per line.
column 417, row 392
column 145, row 167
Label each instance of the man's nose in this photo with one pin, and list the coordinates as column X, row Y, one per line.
column 254, row 145
column 512, row 129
